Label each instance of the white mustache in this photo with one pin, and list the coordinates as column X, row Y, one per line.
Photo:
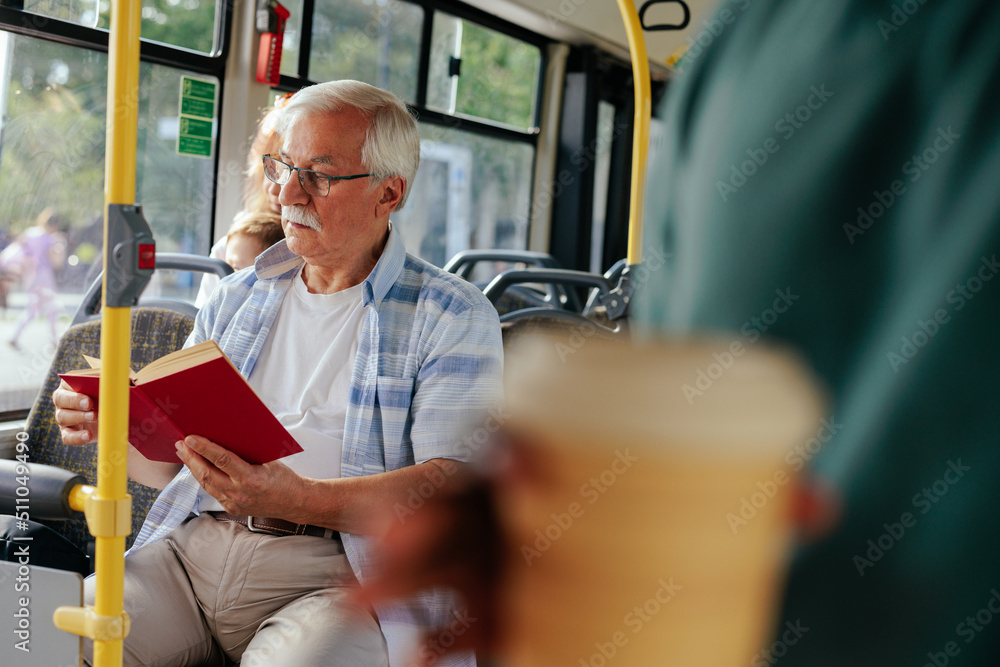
column 301, row 216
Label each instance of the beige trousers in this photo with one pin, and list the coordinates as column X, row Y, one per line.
column 213, row 591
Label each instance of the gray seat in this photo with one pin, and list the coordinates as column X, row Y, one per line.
column 155, row 332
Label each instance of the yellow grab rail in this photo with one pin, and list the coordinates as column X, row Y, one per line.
column 640, row 135
column 108, row 509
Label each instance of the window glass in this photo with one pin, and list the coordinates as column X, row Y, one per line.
column 190, row 24
column 471, row 191
column 53, row 100
column 375, row 42
column 602, row 173
column 171, row 284
column 290, row 40
column 498, row 77
column 81, row 12
column 176, row 191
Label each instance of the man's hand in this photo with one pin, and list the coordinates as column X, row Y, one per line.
column 271, row 489
column 77, row 421
column 75, row 415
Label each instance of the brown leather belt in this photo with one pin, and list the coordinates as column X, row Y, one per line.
column 272, row 526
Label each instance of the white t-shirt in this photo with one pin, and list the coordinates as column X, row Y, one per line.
column 304, row 373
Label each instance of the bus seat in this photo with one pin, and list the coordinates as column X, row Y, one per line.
column 520, row 297
column 155, row 332
column 568, row 331
column 463, row 262
column 516, row 297
column 565, row 281
column 613, row 275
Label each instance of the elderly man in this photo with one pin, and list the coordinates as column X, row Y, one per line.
column 370, row 357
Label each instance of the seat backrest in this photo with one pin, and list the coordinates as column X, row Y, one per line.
column 90, row 304
column 155, row 332
column 519, row 297
column 566, row 331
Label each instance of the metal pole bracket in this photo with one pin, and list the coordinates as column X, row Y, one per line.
column 132, row 258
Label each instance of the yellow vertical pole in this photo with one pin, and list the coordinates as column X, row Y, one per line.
column 640, row 136
column 112, row 428
column 108, row 508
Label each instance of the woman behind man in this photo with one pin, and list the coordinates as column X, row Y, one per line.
column 259, row 205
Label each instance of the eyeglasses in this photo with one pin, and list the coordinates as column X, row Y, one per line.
column 315, row 183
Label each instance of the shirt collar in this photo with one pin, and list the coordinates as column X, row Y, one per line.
column 279, row 260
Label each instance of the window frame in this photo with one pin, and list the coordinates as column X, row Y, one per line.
column 419, row 106
column 21, row 22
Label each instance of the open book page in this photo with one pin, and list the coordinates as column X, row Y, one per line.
column 179, row 360
column 94, row 369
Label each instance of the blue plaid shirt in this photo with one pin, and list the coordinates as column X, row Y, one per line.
column 429, row 361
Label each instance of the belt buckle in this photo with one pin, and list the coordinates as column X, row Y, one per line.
column 251, row 526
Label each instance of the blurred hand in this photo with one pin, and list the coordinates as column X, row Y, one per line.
column 454, row 541
column 457, row 541
column 75, row 415
column 817, row 509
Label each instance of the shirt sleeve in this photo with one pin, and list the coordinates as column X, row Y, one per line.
column 458, row 389
column 199, row 333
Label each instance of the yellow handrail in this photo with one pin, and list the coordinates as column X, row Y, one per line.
column 108, row 509
column 640, row 135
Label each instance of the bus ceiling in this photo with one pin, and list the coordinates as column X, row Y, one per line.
column 600, row 24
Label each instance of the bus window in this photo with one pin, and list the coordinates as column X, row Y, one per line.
column 471, row 191
column 498, row 75
column 371, row 42
column 81, row 12
column 602, row 174
column 189, row 24
column 53, row 98
column 292, row 37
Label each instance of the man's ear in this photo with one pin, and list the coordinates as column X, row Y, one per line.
column 390, row 194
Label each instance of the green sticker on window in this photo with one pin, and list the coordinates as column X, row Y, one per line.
column 192, row 106
column 197, row 111
column 196, row 128
column 197, row 88
column 194, row 146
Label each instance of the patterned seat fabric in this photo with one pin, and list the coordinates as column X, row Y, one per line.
column 155, row 332
column 518, row 297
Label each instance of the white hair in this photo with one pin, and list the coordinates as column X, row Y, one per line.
column 392, row 143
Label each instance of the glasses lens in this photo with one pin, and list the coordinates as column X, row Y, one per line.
column 276, row 170
column 314, row 182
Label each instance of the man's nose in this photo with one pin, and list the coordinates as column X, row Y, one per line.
column 291, row 192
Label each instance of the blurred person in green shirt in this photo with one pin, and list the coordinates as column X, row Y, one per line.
column 846, row 154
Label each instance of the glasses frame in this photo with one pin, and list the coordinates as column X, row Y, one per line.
column 302, row 182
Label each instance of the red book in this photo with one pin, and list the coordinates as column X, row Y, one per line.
column 194, row 391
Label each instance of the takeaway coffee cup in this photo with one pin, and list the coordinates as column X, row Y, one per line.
column 653, row 526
